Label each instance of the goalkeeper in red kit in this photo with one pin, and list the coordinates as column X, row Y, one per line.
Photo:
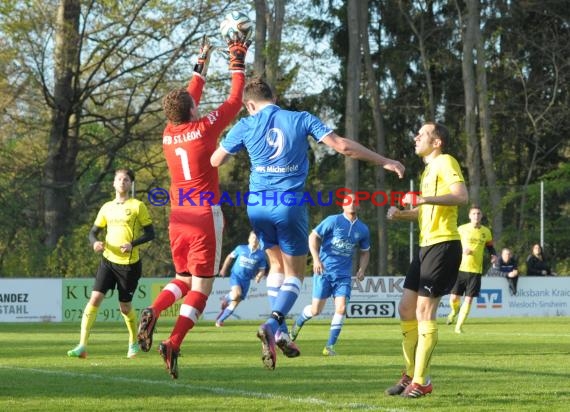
column 195, row 225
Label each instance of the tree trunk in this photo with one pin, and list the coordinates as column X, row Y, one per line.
column 59, row 170
column 274, row 34
column 473, row 157
column 486, row 149
column 259, row 38
column 424, row 58
column 374, row 96
column 353, row 73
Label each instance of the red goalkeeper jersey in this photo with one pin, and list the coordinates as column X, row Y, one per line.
column 188, row 146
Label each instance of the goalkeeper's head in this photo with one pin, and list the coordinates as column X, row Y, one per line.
column 257, row 94
column 179, row 106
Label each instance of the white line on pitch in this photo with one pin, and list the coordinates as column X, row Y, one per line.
column 526, row 334
column 216, row 390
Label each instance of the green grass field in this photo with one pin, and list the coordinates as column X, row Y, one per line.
column 519, row 364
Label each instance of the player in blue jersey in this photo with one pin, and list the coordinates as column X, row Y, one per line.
column 248, row 262
column 276, row 141
column 332, row 244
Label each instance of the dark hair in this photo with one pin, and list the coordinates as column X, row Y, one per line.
column 128, row 172
column 177, row 105
column 257, row 89
column 474, row 206
column 440, row 132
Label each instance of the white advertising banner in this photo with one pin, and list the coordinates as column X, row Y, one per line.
column 30, row 300
column 378, row 297
column 536, row 296
column 46, row 300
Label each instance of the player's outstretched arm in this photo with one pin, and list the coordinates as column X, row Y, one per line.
column 206, row 49
column 219, row 157
column 355, row 150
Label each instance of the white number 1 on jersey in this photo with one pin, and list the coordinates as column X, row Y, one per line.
column 184, row 162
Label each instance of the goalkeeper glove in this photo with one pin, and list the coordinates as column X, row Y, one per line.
column 237, row 48
column 206, row 48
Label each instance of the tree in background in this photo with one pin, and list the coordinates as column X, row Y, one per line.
column 128, row 55
column 111, row 64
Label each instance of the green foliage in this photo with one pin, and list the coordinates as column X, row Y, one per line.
column 135, row 51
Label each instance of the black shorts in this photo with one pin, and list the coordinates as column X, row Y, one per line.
column 124, row 277
column 434, row 269
column 467, row 283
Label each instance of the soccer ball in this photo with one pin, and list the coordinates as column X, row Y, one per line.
column 236, row 22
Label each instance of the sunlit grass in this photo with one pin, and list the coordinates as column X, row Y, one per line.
column 520, row 364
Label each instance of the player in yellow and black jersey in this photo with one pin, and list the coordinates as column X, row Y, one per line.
column 128, row 225
column 433, row 271
column 475, row 238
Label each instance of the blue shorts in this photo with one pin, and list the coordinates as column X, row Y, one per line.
column 325, row 286
column 242, row 283
column 286, row 226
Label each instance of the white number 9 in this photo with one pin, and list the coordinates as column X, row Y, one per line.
column 275, row 138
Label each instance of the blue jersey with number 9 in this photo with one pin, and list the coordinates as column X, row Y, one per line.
column 276, row 141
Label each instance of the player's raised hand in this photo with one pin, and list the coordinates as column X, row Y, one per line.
column 396, row 167
column 237, row 47
column 204, row 55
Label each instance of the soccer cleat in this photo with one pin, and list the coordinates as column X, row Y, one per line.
column 219, row 316
column 146, row 329
column 268, row 355
column 295, row 331
column 219, row 324
column 134, row 349
column 400, row 386
column 458, row 330
column 170, row 357
column 415, row 390
column 450, row 319
column 287, row 346
column 329, row 351
column 77, row 352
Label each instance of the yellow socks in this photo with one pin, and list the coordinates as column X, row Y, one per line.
column 427, row 340
column 454, row 305
column 409, row 343
column 463, row 313
column 87, row 321
column 131, row 322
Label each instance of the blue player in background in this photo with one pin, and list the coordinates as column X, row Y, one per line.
column 249, row 262
column 276, row 141
column 332, row 244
